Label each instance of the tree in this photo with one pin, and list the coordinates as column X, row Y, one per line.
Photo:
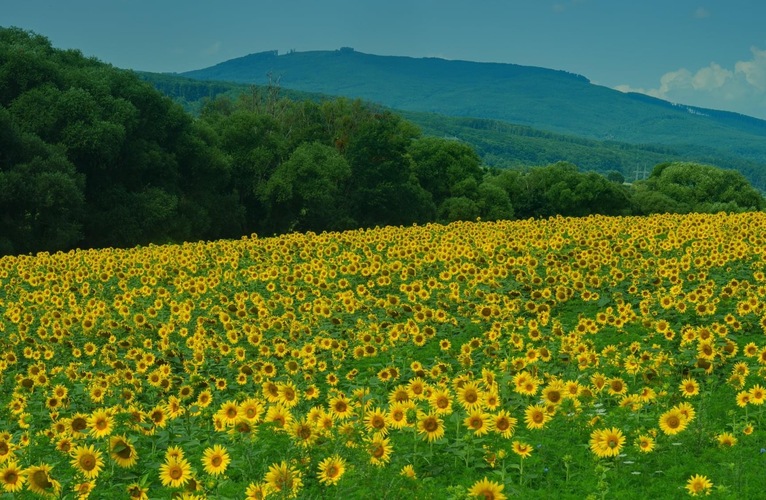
column 382, row 187
column 692, row 187
column 441, row 165
column 305, row 193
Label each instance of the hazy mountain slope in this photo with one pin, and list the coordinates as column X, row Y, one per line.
column 500, row 144
column 542, row 98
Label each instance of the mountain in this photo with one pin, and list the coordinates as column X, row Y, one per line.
column 499, row 143
column 546, row 99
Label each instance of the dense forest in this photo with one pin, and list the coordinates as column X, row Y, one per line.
column 93, row 156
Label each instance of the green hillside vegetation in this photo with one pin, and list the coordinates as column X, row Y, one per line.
column 550, row 100
column 92, row 156
column 500, row 144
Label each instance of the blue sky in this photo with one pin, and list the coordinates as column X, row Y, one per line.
column 709, row 53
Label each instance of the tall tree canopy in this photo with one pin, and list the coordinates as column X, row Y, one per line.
column 91, row 155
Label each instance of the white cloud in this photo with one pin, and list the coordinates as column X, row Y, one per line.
column 754, row 70
column 741, row 89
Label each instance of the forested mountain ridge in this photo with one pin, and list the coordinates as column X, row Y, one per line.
column 92, row 156
column 499, row 143
column 546, row 99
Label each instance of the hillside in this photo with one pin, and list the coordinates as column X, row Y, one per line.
column 546, row 99
column 499, row 143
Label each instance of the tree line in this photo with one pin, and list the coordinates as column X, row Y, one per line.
column 92, row 156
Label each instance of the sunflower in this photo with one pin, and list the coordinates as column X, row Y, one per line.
column 470, row 396
column 523, row 450
column 279, row 415
column 257, row 491
column 375, row 420
column 698, row 484
column 757, row 394
column 40, row 481
column 607, row 442
column 84, row 489
column 526, row 384
column 6, row 448
column 87, row 460
column 122, row 451
column 488, row 490
column 672, row 422
column 229, row 412
column 477, row 421
column 397, row 415
column 100, row 423
column 174, row 452
column 331, row 469
column 204, row 398
column 12, row 477
column 743, row 398
column 251, row 409
column 536, row 417
column 380, row 449
column 215, row 460
column 431, row 426
column 137, row 492
column 726, row 439
column 440, row 401
column 77, row 424
column 689, row 387
column 175, row 472
column 686, row 410
column 288, row 394
column 616, row 386
column 504, row 424
column 304, row 432
column 553, row 393
column 341, row 407
column 645, row 443
column 408, row 471
column 284, row 479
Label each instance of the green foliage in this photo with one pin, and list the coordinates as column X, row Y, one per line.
column 684, row 187
column 549, row 100
column 304, row 192
column 92, row 156
column 560, row 189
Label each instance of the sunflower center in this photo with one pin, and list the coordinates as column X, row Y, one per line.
column 673, row 422
column 216, row 461
column 88, row 462
column 40, row 478
column 79, row 424
column 471, row 396
column 304, row 432
column 101, row 424
column 430, row 424
column 125, row 452
column 176, row 472
column 332, row 471
column 502, row 424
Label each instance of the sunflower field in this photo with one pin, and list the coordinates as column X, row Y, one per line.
column 599, row 357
